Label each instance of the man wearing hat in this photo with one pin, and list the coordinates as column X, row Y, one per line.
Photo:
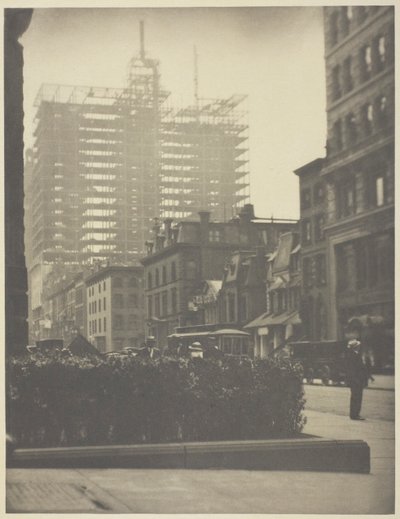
column 149, row 351
column 357, row 377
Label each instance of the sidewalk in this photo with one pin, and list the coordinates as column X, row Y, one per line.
column 220, row 491
column 382, row 382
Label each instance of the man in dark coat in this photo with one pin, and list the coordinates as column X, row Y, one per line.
column 149, row 351
column 357, row 378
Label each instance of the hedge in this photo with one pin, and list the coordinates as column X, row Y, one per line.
column 53, row 400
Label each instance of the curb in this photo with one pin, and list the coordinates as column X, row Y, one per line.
column 294, row 454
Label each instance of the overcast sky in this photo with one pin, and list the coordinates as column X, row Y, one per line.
column 272, row 54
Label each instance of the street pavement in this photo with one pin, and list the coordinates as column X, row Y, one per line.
column 233, row 491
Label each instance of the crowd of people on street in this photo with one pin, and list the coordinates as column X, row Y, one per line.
column 208, row 350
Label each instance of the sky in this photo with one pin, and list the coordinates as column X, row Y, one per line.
column 274, row 55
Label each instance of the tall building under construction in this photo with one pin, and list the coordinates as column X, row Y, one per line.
column 107, row 161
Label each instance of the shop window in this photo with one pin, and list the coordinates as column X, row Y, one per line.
column 348, row 83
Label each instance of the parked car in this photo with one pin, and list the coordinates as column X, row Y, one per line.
column 325, row 360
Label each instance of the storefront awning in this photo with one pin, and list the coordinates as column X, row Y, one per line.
column 275, row 319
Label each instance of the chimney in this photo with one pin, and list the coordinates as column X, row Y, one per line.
column 160, row 242
column 247, row 213
column 149, row 247
column 204, row 222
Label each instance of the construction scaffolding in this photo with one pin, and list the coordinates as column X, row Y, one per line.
column 107, row 161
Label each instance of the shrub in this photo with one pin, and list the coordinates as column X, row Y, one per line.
column 53, row 400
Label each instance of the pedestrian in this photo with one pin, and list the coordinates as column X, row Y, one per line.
column 368, row 365
column 149, row 350
column 183, row 350
column 357, row 378
column 212, row 351
column 195, row 350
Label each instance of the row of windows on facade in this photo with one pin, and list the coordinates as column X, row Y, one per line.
column 314, row 271
column 285, row 299
column 372, row 59
column 118, row 301
column 314, row 317
column 157, row 305
column 365, row 263
column 229, row 312
column 307, row 227
column 164, row 276
column 117, row 282
column 318, row 194
column 357, row 126
column 347, row 19
column 100, row 325
column 376, row 193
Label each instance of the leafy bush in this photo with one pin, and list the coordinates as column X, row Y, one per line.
column 54, row 400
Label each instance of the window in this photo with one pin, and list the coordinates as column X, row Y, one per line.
column 164, row 303
column 318, row 227
column 305, row 198
column 104, row 325
column 348, row 84
column 118, row 282
column 94, row 307
column 381, row 52
column 336, row 87
column 99, row 305
column 382, row 111
column 362, row 12
column 214, row 235
column 132, row 300
column 345, row 193
column 173, row 271
column 157, row 305
column 366, row 62
column 99, row 287
column 231, row 308
column 104, row 303
column 318, row 193
column 90, row 327
column 337, row 135
column 376, row 189
column 351, row 129
column 368, row 118
column 157, row 277
column 243, row 308
column 333, row 28
column 320, row 268
column 149, row 306
column 164, row 274
column 149, row 280
column 306, row 232
column 191, row 269
column 346, row 18
column 104, row 285
column 307, row 272
column 99, row 325
column 174, row 300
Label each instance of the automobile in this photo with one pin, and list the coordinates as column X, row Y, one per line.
column 325, row 360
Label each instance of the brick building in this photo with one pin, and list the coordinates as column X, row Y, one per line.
column 115, row 315
column 183, row 256
column 358, row 173
column 314, row 303
column 281, row 320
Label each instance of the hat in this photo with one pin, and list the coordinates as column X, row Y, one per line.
column 151, row 338
column 353, row 343
column 196, row 344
